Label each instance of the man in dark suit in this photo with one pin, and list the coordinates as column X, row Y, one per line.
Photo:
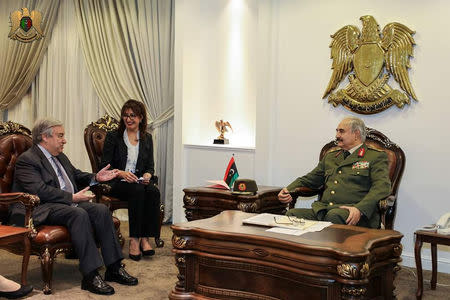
column 355, row 178
column 45, row 171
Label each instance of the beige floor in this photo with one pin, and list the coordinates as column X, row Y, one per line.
column 158, row 275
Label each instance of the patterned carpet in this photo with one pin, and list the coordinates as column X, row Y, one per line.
column 158, row 275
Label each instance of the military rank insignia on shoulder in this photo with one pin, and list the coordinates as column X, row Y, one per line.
column 337, row 151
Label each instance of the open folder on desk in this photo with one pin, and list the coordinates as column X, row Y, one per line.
column 218, row 184
column 295, row 225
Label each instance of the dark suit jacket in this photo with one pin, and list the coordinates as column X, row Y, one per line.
column 115, row 153
column 35, row 175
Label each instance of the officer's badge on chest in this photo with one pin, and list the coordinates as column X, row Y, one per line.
column 360, row 165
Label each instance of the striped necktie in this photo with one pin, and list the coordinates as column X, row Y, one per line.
column 67, row 184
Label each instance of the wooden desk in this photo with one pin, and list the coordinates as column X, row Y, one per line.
column 219, row 258
column 203, row 202
column 11, row 235
column 434, row 239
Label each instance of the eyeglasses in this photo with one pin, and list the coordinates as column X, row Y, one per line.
column 131, row 116
column 292, row 221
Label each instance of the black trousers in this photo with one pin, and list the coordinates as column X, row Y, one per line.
column 82, row 222
column 143, row 207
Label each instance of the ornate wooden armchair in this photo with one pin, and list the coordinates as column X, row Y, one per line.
column 94, row 137
column 396, row 157
column 46, row 241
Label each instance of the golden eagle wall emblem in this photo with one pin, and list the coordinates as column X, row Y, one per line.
column 25, row 27
column 367, row 53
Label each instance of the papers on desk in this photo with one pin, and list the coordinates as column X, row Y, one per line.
column 140, row 180
column 285, row 224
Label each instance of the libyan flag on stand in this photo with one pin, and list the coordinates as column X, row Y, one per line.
column 231, row 174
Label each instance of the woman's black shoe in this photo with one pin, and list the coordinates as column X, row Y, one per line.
column 147, row 252
column 23, row 291
column 135, row 257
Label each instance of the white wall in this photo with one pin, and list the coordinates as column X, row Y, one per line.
column 292, row 69
column 218, row 73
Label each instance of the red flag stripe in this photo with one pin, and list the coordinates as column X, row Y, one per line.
column 228, row 168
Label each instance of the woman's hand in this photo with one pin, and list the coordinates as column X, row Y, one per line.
column 128, row 176
column 147, row 177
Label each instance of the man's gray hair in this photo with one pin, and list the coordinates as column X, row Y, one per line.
column 357, row 124
column 44, row 126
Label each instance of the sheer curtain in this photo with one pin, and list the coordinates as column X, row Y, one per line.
column 21, row 61
column 63, row 88
column 128, row 46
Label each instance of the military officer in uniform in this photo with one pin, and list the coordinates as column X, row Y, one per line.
column 355, row 178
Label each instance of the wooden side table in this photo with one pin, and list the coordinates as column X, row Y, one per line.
column 434, row 239
column 11, row 235
column 204, row 202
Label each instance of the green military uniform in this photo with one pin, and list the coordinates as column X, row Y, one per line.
column 361, row 180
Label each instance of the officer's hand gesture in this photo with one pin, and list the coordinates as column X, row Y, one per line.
column 284, row 196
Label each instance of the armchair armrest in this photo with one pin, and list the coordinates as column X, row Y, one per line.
column 303, row 192
column 28, row 200
column 99, row 190
column 387, row 211
column 387, row 202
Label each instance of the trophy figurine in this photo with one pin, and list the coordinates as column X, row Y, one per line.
column 222, row 128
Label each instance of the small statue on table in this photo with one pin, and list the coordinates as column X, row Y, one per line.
column 222, row 128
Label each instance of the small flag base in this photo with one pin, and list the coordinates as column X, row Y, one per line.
column 221, row 142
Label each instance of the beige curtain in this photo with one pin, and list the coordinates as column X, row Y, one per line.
column 63, row 88
column 21, row 61
column 106, row 53
column 128, row 46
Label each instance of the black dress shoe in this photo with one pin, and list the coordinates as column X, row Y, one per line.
column 23, row 291
column 147, row 252
column 120, row 276
column 96, row 285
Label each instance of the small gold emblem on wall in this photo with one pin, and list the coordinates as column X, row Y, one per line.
column 367, row 54
column 25, row 27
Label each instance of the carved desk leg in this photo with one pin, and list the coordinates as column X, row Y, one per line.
column 190, row 201
column 181, row 287
column 180, row 262
column 356, row 271
column 417, row 254
column 353, row 292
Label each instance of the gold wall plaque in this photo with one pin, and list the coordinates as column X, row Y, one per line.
column 25, row 27
column 367, row 54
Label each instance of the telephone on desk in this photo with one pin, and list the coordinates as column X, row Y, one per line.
column 442, row 226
